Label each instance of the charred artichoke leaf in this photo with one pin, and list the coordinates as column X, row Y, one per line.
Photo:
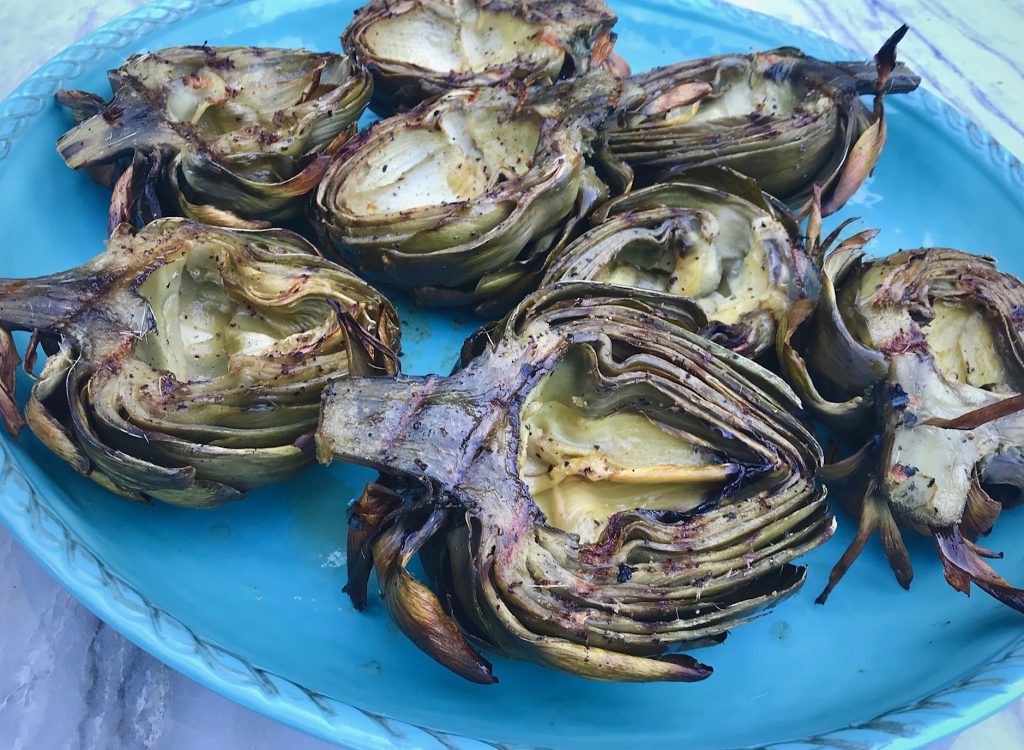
column 187, row 361
column 737, row 252
column 233, row 136
column 418, row 49
column 614, row 486
column 461, row 197
column 785, row 119
column 932, row 340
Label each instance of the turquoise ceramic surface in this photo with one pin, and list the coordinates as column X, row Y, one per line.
column 247, row 599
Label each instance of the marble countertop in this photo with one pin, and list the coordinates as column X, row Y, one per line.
column 69, row 681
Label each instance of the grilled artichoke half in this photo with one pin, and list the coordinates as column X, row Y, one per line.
column 418, row 49
column 788, row 120
column 596, row 485
column 187, row 362
column 923, row 353
column 734, row 250
column 461, row 197
column 232, row 136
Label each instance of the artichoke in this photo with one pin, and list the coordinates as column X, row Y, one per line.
column 186, row 362
column 596, row 485
column 418, row 49
column 461, row 197
column 232, row 136
column 788, row 120
column 921, row 355
column 734, row 250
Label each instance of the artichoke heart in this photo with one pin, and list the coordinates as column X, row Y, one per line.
column 187, row 362
column 230, row 136
column 785, row 119
column 922, row 354
column 461, row 198
column 734, row 250
column 418, row 49
column 595, row 487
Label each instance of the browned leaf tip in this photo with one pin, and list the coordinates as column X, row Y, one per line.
column 874, row 515
column 416, row 609
column 885, row 58
column 602, row 47
column 366, row 519
column 962, row 565
column 616, row 65
column 122, row 199
column 981, row 511
column 9, row 361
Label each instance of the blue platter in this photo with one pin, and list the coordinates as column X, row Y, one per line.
column 247, row 599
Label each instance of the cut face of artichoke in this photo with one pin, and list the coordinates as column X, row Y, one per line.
column 941, row 331
column 735, row 251
column 596, row 486
column 420, row 48
column 460, row 199
column 469, row 154
column 461, row 38
column 227, row 135
column 187, row 362
column 585, row 458
column 787, row 120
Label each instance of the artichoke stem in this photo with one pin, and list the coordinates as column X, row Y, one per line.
column 402, row 425
column 38, row 304
column 902, row 80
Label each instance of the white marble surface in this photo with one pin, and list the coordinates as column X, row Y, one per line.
column 69, row 681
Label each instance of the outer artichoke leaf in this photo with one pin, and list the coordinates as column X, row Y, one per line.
column 201, row 493
column 367, row 518
column 963, row 565
column 9, row 361
column 415, row 608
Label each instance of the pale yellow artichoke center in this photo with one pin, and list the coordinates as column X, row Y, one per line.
column 456, row 37
column 201, row 328
column 464, row 155
column 722, row 263
column 737, row 93
column 960, row 337
column 584, row 458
